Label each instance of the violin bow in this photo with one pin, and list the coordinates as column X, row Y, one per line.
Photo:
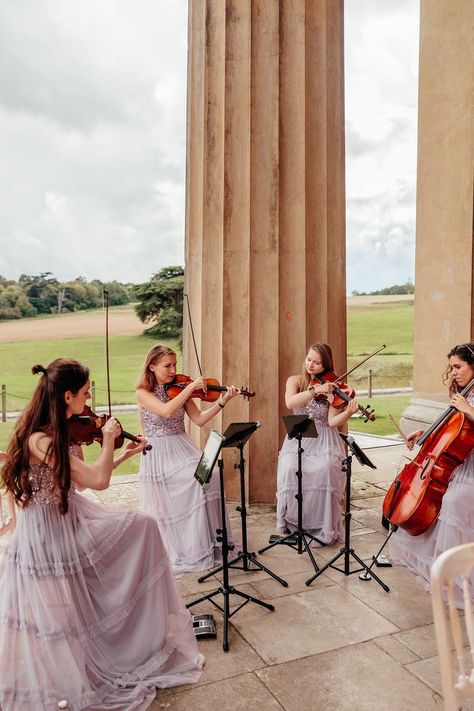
column 397, row 427
column 105, row 295
column 344, row 375
column 192, row 334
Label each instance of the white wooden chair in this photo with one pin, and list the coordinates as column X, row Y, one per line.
column 450, row 578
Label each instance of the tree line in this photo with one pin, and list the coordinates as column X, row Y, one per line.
column 44, row 294
column 159, row 301
column 407, row 288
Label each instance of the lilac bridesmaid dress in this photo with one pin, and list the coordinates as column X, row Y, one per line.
column 454, row 526
column 187, row 514
column 322, row 478
column 89, row 610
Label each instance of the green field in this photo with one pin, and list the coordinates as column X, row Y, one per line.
column 129, row 422
column 374, row 325
column 369, row 326
column 126, row 356
column 383, row 406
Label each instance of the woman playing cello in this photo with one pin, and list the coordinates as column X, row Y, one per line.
column 455, row 523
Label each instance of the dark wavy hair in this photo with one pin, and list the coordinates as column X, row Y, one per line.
column 465, row 351
column 45, row 413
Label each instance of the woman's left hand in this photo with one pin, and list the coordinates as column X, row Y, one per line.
column 461, row 404
column 231, row 392
column 352, row 407
column 132, row 448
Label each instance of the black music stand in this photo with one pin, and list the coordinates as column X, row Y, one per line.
column 347, row 551
column 298, row 426
column 211, row 451
column 236, row 435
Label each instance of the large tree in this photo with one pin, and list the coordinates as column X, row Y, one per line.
column 160, row 303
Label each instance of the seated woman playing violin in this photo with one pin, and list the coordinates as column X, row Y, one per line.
column 322, row 477
column 90, row 612
column 187, row 514
column 455, row 522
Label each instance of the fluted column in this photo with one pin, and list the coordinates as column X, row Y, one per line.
column 265, row 235
column 444, row 295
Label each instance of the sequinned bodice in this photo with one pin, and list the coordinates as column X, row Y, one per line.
column 156, row 426
column 317, row 409
column 43, row 485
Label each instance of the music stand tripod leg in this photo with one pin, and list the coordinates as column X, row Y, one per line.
column 347, row 551
column 245, row 557
column 225, row 589
column 299, row 537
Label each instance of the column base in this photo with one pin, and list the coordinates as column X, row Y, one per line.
column 420, row 414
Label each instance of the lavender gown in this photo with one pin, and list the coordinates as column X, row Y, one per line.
column 322, row 480
column 89, row 610
column 454, row 526
column 187, row 514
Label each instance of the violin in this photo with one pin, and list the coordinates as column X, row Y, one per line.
column 341, row 394
column 211, row 394
column 86, row 428
column 414, row 499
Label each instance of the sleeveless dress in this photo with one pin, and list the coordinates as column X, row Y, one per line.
column 187, row 514
column 322, row 478
column 454, row 526
column 89, row 610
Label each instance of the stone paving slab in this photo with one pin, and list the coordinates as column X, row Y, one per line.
column 354, row 678
column 340, row 643
column 242, row 693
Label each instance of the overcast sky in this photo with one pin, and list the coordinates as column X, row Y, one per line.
column 92, row 138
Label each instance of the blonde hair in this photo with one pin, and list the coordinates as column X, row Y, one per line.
column 325, row 351
column 147, row 378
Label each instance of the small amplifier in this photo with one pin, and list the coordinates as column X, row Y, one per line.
column 204, row 626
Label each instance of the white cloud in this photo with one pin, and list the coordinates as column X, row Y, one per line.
column 381, row 49
column 92, row 131
column 92, row 137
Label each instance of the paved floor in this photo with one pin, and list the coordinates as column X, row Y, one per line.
column 340, row 643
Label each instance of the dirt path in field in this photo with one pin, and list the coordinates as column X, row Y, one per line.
column 122, row 322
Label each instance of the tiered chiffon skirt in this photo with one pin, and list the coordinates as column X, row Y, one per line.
column 322, row 482
column 454, row 526
column 187, row 513
column 89, row 612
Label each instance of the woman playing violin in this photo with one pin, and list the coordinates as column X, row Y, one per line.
column 90, row 612
column 323, row 480
column 455, row 523
column 187, row 514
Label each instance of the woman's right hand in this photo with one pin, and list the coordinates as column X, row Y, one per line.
column 412, row 437
column 198, row 384
column 321, row 389
column 112, row 428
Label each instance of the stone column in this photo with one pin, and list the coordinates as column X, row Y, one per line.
column 445, row 190
column 265, row 216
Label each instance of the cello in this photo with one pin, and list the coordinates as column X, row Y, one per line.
column 414, row 499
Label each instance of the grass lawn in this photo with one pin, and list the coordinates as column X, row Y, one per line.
column 126, row 356
column 368, row 327
column 374, row 325
column 383, row 407
column 129, row 422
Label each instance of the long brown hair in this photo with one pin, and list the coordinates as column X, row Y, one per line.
column 465, row 351
column 147, row 378
column 45, row 413
column 325, row 351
